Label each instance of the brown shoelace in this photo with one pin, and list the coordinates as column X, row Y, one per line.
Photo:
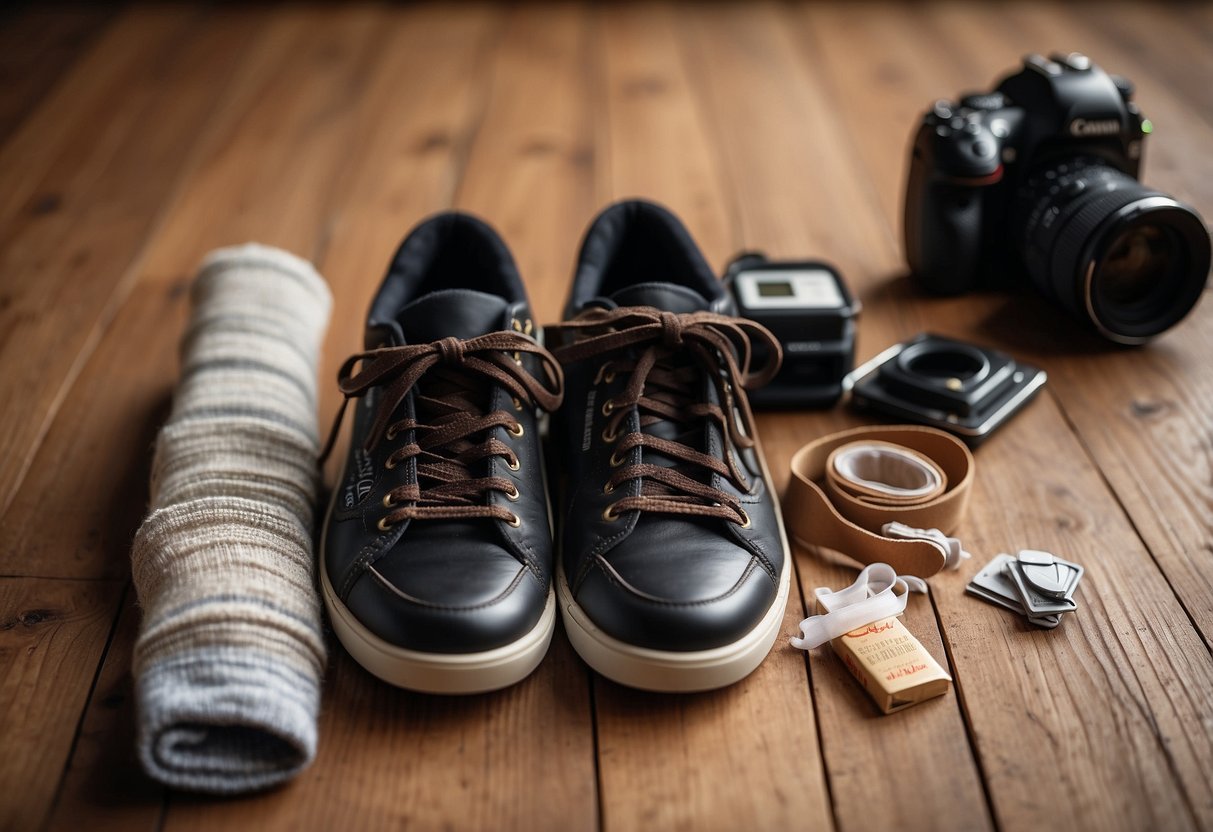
column 667, row 355
column 458, row 375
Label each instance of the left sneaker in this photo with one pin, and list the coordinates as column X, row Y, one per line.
column 436, row 557
column 675, row 568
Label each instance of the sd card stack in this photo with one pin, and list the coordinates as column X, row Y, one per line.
column 1037, row 585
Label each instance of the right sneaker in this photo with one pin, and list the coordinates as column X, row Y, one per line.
column 674, row 569
column 436, row 555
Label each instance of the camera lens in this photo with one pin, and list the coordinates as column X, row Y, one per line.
column 951, row 364
column 1132, row 260
column 946, row 363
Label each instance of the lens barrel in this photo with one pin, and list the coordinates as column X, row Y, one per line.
column 1131, row 260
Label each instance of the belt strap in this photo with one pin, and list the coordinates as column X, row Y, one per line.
column 844, row 487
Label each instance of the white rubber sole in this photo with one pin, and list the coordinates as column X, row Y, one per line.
column 440, row 672
column 664, row 670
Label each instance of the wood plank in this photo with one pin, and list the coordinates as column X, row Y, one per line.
column 658, row 141
column 768, row 107
column 52, row 635
column 94, row 186
column 37, row 46
column 244, row 187
column 1105, row 695
column 530, row 173
column 103, row 785
column 748, row 755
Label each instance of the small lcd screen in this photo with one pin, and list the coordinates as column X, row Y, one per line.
column 775, row 289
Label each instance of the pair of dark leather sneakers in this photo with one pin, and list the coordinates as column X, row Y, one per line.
column 671, row 567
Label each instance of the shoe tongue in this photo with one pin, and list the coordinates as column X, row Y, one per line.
column 459, row 313
column 669, row 297
column 666, row 296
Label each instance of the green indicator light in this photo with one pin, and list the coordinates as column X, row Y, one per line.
column 1147, row 126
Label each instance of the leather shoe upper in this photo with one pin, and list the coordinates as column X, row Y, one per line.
column 438, row 536
column 669, row 533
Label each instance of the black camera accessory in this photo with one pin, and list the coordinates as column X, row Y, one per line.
column 808, row 307
column 1041, row 174
column 948, row 384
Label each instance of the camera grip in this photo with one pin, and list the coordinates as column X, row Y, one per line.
column 943, row 234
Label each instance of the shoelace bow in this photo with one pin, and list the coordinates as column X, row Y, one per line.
column 453, row 400
column 667, row 355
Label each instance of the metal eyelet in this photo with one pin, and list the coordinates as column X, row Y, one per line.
column 617, row 460
column 389, row 463
column 388, row 502
column 392, row 433
column 746, row 524
column 384, row 525
column 608, row 513
column 608, row 407
column 528, row 327
column 513, row 464
column 515, row 429
column 515, row 521
column 518, row 404
column 608, row 488
column 512, row 494
column 609, row 436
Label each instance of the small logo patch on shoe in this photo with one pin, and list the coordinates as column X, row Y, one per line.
column 362, row 481
column 587, row 432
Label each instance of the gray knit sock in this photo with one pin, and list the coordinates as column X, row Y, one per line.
column 230, row 654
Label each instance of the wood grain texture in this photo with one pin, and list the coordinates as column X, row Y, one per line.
column 129, row 150
column 746, row 755
column 52, row 634
column 37, row 47
column 103, row 787
column 83, row 192
column 248, row 188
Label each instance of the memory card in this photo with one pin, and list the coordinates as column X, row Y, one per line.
column 992, row 580
column 1034, row 602
column 1048, row 574
column 993, row 598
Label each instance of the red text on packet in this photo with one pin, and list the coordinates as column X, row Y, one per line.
column 908, row 670
column 871, row 629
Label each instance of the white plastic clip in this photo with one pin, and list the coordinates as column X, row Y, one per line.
column 877, row 593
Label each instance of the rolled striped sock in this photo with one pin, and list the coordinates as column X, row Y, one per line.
column 230, row 653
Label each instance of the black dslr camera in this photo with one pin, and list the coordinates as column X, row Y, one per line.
column 1040, row 176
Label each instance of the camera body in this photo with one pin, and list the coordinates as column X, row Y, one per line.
column 1040, row 175
column 809, row 309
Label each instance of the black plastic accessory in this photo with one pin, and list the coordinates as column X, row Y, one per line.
column 948, row 384
column 808, row 307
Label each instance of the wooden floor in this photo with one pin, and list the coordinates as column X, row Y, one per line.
column 134, row 140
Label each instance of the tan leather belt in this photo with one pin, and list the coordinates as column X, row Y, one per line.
column 844, row 487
